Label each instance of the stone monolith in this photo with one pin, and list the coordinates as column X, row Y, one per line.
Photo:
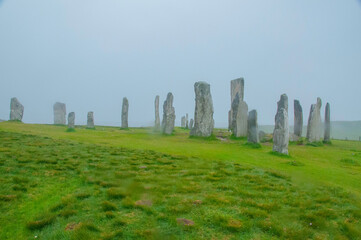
column 191, row 124
column 157, row 118
column 71, row 120
column 314, row 122
column 281, row 131
column 237, row 87
column 90, row 120
column 327, row 136
column 16, row 110
column 203, row 114
column 298, row 118
column 187, row 123
column 168, row 115
column 59, row 113
column 125, row 108
column 252, row 135
column 239, row 117
column 183, row 122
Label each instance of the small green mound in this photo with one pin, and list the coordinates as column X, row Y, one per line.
column 253, row 145
column 40, row 222
column 349, row 161
column 108, row 206
column 315, row 144
column 70, row 130
column 279, row 154
column 210, row 138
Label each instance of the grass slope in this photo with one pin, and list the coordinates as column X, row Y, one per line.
column 132, row 184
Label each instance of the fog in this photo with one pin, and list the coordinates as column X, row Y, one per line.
column 90, row 54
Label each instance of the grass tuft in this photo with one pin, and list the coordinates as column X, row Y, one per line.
column 40, row 222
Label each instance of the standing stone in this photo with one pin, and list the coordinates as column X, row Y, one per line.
column 314, row 122
column 262, row 136
column 239, row 117
column 187, row 126
column 281, row 131
column 327, row 124
column 71, row 120
column 298, row 118
column 90, row 120
column 59, row 113
column 16, row 110
column 191, row 124
column 252, row 127
column 183, row 122
column 203, row 114
column 168, row 115
column 237, row 86
column 157, row 119
column 125, row 108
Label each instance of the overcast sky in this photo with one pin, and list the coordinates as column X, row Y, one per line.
column 90, row 54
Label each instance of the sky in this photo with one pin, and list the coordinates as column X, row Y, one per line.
column 90, row 54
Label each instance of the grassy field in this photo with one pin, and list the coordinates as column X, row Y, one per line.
column 110, row 183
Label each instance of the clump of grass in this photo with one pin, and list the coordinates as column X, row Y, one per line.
column 315, row 144
column 7, row 198
column 232, row 137
column 109, row 214
column 350, row 161
column 116, row 193
column 82, row 195
column 112, row 235
column 127, row 202
column 70, row 130
column 253, row 145
column 210, row 138
column 67, row 213
column 295, row 163
column 277, row 174
column 279, row 154
column 41, row 222
column 108, row 206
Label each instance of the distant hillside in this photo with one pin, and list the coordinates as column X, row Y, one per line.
column 339, row 129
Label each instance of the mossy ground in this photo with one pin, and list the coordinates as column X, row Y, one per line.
column 133, row 184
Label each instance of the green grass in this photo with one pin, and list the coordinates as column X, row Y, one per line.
column 135, row 184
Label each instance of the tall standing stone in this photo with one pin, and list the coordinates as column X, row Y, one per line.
column 191, row 124
column 281, row 131
column 59, row 113
column 71, row 120
column 90, row 120
column 125, row 108
column 253, row 136
column 298, row 118
column 16, row 110
column 157, row 119
column 314, row 122
column 237, row 87
column 203, row 114
column 183, row 122
column 239, row 117
column 187, row 126
column 327, row 124
column 168, row 115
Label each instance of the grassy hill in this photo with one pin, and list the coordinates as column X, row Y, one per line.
column 110, row 183
column 350, row 130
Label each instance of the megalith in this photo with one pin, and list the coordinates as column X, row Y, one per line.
column 125, row 108
column 298, row 118
column 71, row 120
column 252, row 136
column 203, row 114
column 314, row 122
column 281, row 130
column 183, row 122
column 59, row 113
column 191, row 124
column 168, row 115
column 157, row 118
column 239, row 117
column 90, row 120
column 237, row 87
column 16, row 110
column 187, row 123
column 327, row 136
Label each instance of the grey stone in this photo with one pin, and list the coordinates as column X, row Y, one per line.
column 293, row 137
column 168, row 115
column 90, row 120
column 327, row 124
column 157, row 118
column 125, row 108
column 16, row 110
column 59, row 113
column 298, row 118
column 252, row 127
column 71, row 120
column 281, row 131
column 237, row 87
column 203, row 114
column 187, row 124
column 183, row 122
column 314, row 122
column 261, row 136
column 191, row 124
column 239, row 117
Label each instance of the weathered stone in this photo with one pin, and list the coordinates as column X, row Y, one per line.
column 191, row 123
column 187, row 124
column 252, row 127
column 157, row 119
column 293, row 137
column 168, row 115
column 183, row 122
column 125, row 108
column 314, row 122
column 239, row 117
column 261, row 136
column 203, row 114
column 298, row 118
column 90, row 120
column 71, row 120
column 59, row 113
column 237, row 87
column 16, row 110
column 327, row 124
column 281, row 131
